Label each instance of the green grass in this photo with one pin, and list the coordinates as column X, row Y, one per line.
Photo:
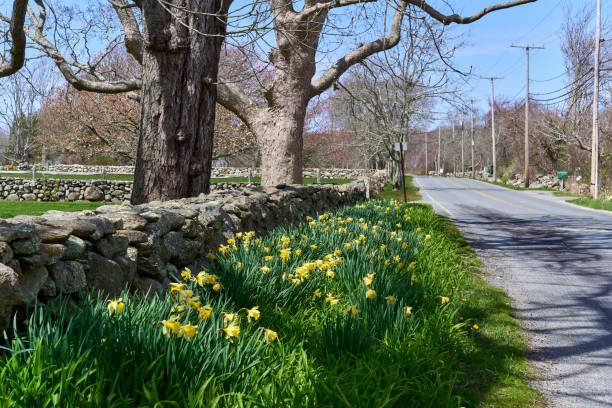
column 564, row 194
column 412, row 192
column 597, row 204
column 12, row 208
column 129, row 177
column 75, row 355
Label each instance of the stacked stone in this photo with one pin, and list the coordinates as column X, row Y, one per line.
column 64, row 190
column 83, row 168
column 142, row 247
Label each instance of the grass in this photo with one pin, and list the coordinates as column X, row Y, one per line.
column 412, row 192
column 382, row 355
column 564, row 194
column 12, row 208
column 597, row 204
column 130, row 177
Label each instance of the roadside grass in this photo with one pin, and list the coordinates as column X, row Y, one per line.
column 564, row 194
column 130, row 177
column 412, row 192
column 597, row 204
column 12, row 208
column 336, row 345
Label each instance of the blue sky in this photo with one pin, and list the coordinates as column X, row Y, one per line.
column 489, row 53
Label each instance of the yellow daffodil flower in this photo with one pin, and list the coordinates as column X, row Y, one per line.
column 216, row 287
column 115, row 306
column 331, row 299
column 419, row 229
column 317, row 293
column 314, row 246
column 185, row 293
column 253, row 312
column 407, row 310
column 187, row 331
column 223, row 249
column 312, row 223
column 383, row 247
column 170, row 326
column 391, row 300
column 270, row 335
column 347, row 247
column 231, row 241
column 298, row 252
column 265, row 269
column 239, row 264
column 475, row 327
column 268, row 258
column 205, row 312
column 308, row 218
column 186, row 273
column 427, row 236
column 176, row 287
column 210, row 256
column 232, row 330
column 330, row 274
column 229, row 318
column 370, row 294
column 404, row 245
column 444, row 299
column 284, row 254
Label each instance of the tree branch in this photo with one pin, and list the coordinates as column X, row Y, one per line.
column 131, row 29
column 18, row 40
column 80, row 83
column 361, row 53
column 454, row 18
column 232, row 98
column 307, row 12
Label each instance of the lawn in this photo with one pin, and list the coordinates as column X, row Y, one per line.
column 130, row 177
column 597, row 204
column 412, row 192
column 374, row 305
column 12, row 208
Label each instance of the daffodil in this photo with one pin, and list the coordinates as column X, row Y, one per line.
column 284, row 254
column 312, row 223
column 216, row 287
column 475, row 327
column 419, row 229
column 229, row 318
column 270, row 335
column 314, row 246
column 383, row 247
column 253, row 312
column 331, row 299
column 176, row 287
column 233, row 330
column 266, row 250
column 268, row 258
column 317, row 293
column 115, row 306
column 444, row 299
column 298, row 252
column 264, row 269
column 210, row 256
column 239, row 264
column 407, row 310
column 223, row 249
column 427, row 236
column 330, row 274
column 404, row 245
column 370, row 294
column 194, row 302
column 347, row 247
column 205, row 312
column 186, row 273
column 170, row 326
column 185, row 293
column 187, row 331
column 391, row 299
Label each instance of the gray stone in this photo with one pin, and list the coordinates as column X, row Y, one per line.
column 173, row 241
column 69, row 276
column 75, row 248
column 12, row 197
column 133, row 237
column 48, row 289
column 105, row 275
column 52, row 234
column 10, row 232
column 6, row 253
column 52, row 252
column 129, row 266
column 73, row 196
column 93, row 194
column 147, row 285
column 29, row 197
column 26, row 246
column 111, row 245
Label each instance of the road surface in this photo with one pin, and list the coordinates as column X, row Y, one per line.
column 554, row 260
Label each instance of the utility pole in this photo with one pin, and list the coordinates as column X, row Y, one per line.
column 462, row 163
column 595, row 146
column 472, row 132
column 426, row 172
column 454, row 151
column 438, row 169
column 492, row 78
column 527, row 48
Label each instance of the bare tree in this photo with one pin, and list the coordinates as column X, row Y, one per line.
column 278, row 122
column 388, row 97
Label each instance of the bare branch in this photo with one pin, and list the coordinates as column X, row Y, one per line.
column 361, row 53
column 455, row 18
column 18, row 40
column 131, row 29
column 232, row 98
column 307, row 12
column 80, row 83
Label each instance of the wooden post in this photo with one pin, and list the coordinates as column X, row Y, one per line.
column 472, row 133
column 595, row 141
column 250, row 175
column 318, row 175
column 402, row 164
column 33, row 172
column 103, row 173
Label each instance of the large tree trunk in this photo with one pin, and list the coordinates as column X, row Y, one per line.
column 178, row 103
column 280, row 139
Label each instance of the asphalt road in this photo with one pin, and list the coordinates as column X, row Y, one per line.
column 554, row 260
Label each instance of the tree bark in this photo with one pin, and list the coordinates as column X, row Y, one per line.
column 180, row 67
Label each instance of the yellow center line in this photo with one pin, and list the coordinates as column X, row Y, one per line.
column 495, row 198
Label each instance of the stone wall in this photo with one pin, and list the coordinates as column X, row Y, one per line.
column 20, row 189
column 143, row 246
column 216, row 171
